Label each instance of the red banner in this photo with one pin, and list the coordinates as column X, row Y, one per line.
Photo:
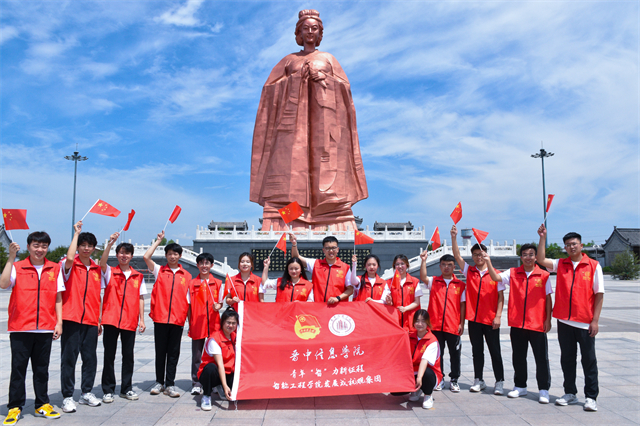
column 294, row 349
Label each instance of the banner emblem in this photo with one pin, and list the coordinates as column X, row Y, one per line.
column 307, row 327
column 341, row 325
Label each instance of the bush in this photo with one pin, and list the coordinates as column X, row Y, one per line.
column 625, row 266
column 606, row 270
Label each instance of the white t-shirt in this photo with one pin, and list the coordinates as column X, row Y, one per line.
column 106, row 276
column 429, row 282
column 432, row 353
column 506, row 278
column 312, row 262
column 501, row 286
column 272, row 284
column 66, row 275
column 212, row 347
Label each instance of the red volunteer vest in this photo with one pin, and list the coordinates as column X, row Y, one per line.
column 249, row 292
column 121, row 302
column 204, row 320
column 32, row 305
column 404, row 297
column 528, row 299
column 366, row 290
column 228, row 352
column 169, row 296
column 328, row 281
column 444, row 304
column 574, row 290
column 299, row 292
column 418, row 347
column 81, row 299
column 482, row 297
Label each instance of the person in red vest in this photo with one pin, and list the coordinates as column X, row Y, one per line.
column 331, row 277
column 219, row 360
column 579, row 298
column 485, row 300
column 204, row 303
column 293, row 286
column 122, row 315
column 405, row 295
column 529, row 314
column 447, row 312
column 245, row 285
column 169, row 307
column 369, row 286
column 80, row 319
column 425, row 352
column 35, row 320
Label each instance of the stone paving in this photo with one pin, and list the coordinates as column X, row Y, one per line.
column 618, row 351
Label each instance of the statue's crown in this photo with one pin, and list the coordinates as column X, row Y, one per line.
column 308, row 13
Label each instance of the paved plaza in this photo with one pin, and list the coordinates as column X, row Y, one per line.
column 617, row 345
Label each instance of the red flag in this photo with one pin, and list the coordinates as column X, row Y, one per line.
column 104, row 208
column 14, row 219
column 435, row 239
column 175, row 214
column 395, row 283
column 549, row 200
column 228, row 285
column 131, row 215
column 291, row 212
column 202, row 292
column 282, row 243
column 361, row 238
column 480, row 235
column 456, row 215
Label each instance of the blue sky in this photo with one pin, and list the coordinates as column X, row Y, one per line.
column 452, row 98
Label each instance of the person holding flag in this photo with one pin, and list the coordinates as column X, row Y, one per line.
column 122, row 315
column 485, row 300
column 425, row 351
column 168, row 311
column 204, row 300
column 293, row 286
column 369, row 286
column 405, row 292
column 245, row 285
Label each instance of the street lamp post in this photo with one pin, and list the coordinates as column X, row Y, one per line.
column 75, row 158
column 542, row 154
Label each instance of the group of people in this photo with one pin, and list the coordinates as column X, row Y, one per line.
column 63, row 300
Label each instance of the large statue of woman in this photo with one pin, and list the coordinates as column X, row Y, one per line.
column 305, row 141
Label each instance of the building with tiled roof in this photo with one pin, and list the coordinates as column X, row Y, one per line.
column 621, row 239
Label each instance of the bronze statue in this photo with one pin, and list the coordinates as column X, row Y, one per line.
column 305, row 141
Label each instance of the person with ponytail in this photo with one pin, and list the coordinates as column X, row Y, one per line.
column 293, row 286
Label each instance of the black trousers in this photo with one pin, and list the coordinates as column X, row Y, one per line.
column 455, row 349
column 167, row 338
column 520, row 340
column 569, row 337
column 477, row 331
column 78, row 339
column 429, row 380
column 37, row 348
column 110, row 341
column 197, row 346
column 210, row 378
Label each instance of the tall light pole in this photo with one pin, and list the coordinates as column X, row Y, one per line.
column 542, row 154
column 75, row 158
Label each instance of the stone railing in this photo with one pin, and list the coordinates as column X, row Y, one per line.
column 205, row 234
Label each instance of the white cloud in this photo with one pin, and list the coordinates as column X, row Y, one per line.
column 7, row 33
column 182, row 15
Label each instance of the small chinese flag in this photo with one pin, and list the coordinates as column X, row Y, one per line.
column 131, row 215
column 395, row 283
column 549, row 200
column 480, row 235
column 228, row 285
column 361, row 238
column 282, row 243
column 175, row 214
column 309, row 321
column 456, row 215
column 202, row 292
column 105, row 209
column 435, row 239
column 14, row 219
column 291, row 212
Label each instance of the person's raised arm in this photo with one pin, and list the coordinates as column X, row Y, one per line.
column 354, row 276
column 294, row 250
column 542, row 252
column 71, row 252
column 423, row 268
column 492, row 272
column 107, row 249
column 265, row 270
column 5, row 279
column 151, row 265
column 456, row 250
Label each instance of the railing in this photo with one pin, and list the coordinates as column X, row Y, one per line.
column 205, row 234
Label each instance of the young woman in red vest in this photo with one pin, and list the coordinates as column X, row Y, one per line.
column 369, row 286
column 425, row 352
column 219, row 360
column 406, row 295
column 293, row 286
column 245, row 285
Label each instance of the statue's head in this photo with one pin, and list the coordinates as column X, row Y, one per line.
column 302, row 17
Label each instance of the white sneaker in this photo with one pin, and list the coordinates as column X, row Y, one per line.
column 415, row 396
column 517, row 392
column 131, row 396
column 590, row 405
column 478, row 385
column 68, row 405
column 107, row 398
column 196, row 390
column 498, row 389
column 543, row 397
column 428, row 402
column 205, row 405
column 89, row 399
column 172, row 392
column 454, row 386
column 567, row 399
column 157, row 389
column 439, row 386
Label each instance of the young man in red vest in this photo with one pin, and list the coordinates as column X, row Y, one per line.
column 122, row 315
column 330, row 276
column 35, row 320
column 579, row 297
column 81, row 316
column 529, row 318
column 447, row 304
column 485, row 300
column 168, row 311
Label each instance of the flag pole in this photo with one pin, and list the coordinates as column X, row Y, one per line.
column 274, row 247
column 165, row 225
column 85, row 215
column 10, row 236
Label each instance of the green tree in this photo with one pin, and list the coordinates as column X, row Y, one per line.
column 57, row 253
column 4, row 256
column 554, row 251
column 625, row 266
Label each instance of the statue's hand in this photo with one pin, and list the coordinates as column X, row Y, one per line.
column 318, row 77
